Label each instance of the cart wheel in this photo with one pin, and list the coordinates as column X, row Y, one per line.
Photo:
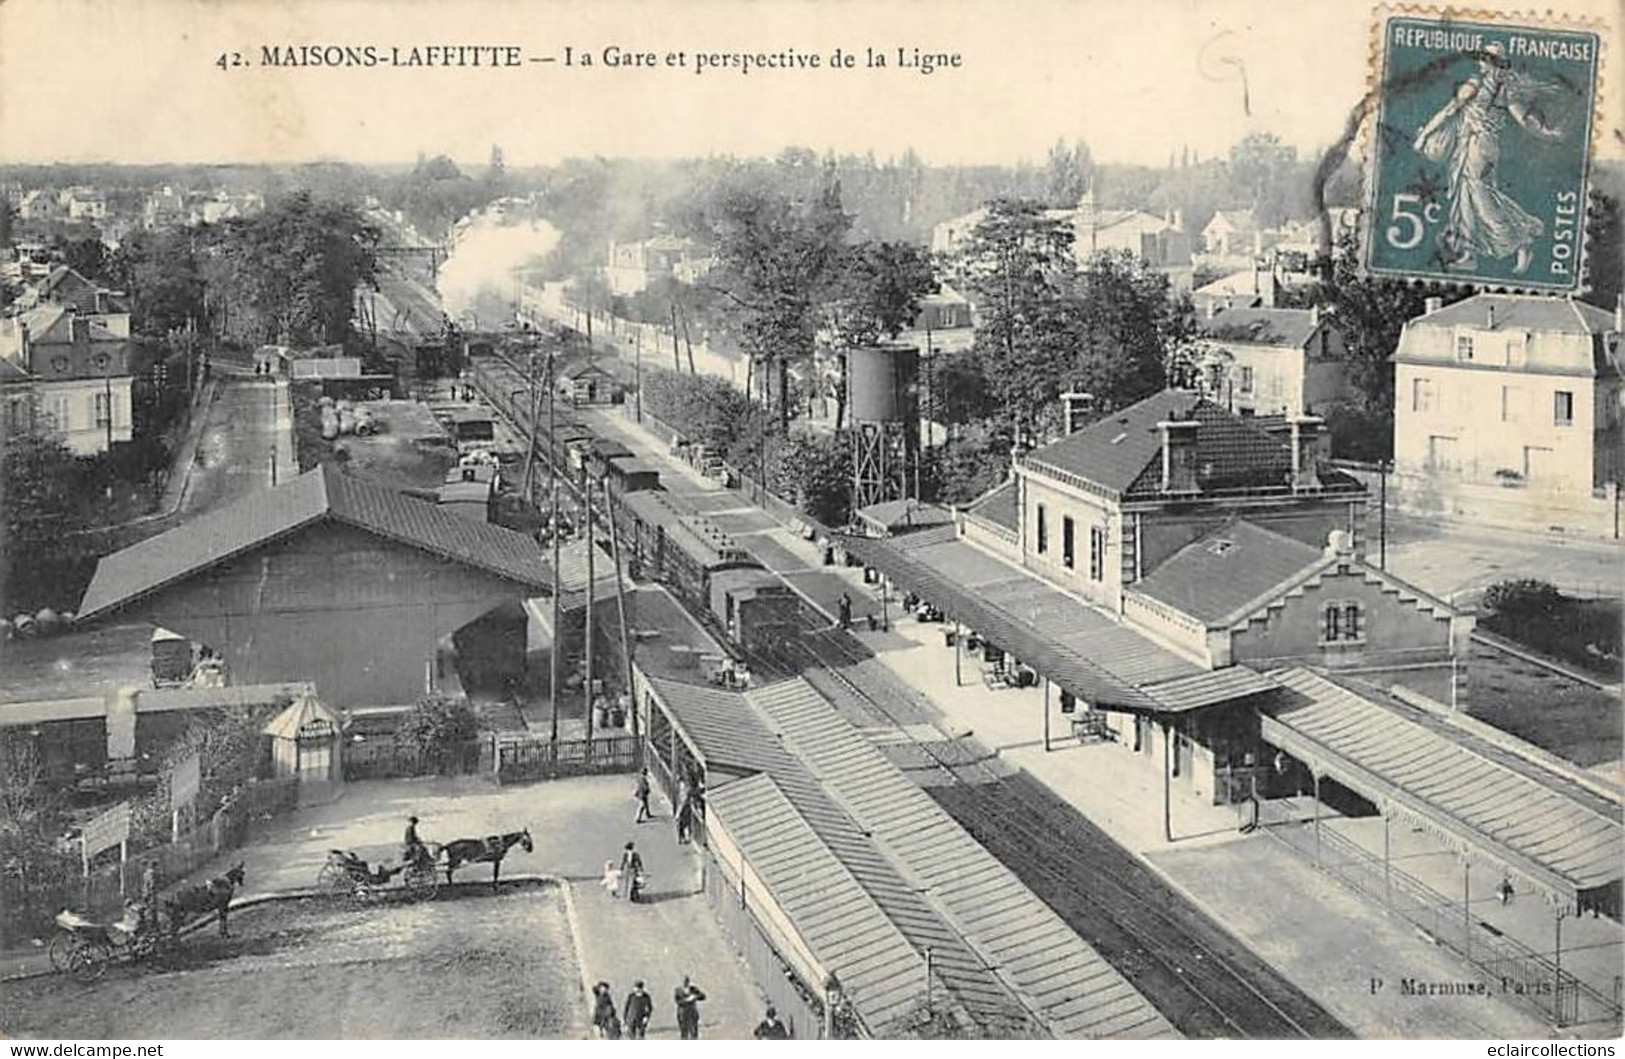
column 421, row 883
column 88, row 962
column 62, row 943
column 326, row 877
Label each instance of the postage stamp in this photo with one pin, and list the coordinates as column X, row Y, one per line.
column 1477, row 166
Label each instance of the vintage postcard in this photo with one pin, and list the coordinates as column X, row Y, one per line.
column 797, row 519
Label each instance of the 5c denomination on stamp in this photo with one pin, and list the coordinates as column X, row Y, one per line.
column 1478, row 163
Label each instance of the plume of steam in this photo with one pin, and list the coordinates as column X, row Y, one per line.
column 481, row 268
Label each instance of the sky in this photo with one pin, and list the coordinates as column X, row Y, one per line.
column 136, row 81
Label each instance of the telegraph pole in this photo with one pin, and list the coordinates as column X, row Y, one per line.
column 553, row 521
column 626, row 638
column 586, row 510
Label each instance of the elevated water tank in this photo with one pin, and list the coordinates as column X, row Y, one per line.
column 880, row 383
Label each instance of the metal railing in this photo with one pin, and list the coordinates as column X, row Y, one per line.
column 528, row 758
column 1557, row 994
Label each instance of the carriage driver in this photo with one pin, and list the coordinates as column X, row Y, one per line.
column 413, row 849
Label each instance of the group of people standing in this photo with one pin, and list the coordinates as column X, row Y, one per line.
column 690, row 795
column 639, row 1008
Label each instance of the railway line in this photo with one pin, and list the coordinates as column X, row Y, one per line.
column 1202, row 978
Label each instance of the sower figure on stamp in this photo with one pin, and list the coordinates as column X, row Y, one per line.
column 1466, row 135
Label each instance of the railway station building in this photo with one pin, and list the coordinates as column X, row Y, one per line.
column 853, row 896
column 325, row 579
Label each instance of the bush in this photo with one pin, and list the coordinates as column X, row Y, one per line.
column 1585, row 633
column 439, row 730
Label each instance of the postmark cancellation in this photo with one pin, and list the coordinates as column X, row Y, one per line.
column 1479, row 154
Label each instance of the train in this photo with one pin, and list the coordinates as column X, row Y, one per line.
column 664, row 537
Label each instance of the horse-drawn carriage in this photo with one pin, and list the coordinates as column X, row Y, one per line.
column 84, row 947
column 347, row 875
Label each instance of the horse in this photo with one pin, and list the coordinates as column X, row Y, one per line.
column 478, row 850
column 212, row 896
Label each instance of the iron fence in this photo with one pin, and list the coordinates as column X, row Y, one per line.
column 1558, row 994
column 529, row 758
column 377, row 759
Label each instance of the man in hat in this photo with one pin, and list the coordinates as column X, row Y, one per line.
column 640, row 791
column 771, row 1028
column 413, row 849
column 639, row 1006
column 687, row 997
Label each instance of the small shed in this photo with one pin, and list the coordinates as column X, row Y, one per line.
column 171, row 658
column 305, row 742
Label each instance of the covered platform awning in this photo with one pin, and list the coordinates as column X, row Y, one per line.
column 1481, row 799
column 1103, row 662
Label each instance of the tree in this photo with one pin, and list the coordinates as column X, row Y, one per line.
column 8, row 215
column 39, row 516
column 1070, row 172
column 1127, row 328
column 1200, row 365
column 1261, row 167
column 1020, row 265
column 163, row 275
column 88, row 257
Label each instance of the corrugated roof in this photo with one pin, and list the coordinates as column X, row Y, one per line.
column 270, row 514
column 901, row 515
column 1529, row 312
column 1267, row 327
column 715, row 723
column 1097, row 658
column 1228, row 568
column 879, row 970
column 1068, row 985
column 1504, row 806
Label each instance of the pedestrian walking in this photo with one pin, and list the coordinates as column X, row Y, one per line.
column 771, row 1028
column 844, row 608
column 684, row 816
column 687, row 998
column 639, row 1006
column 631, row 872
column 640, row 791
column 611, row 882
column 605, row 1022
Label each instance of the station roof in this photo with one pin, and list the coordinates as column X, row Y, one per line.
column 1213, row 576
column 1085, row 651
column 1528, row 819
column 320, row 495
column 900, row 516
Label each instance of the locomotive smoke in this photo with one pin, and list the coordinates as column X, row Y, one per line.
column 479, row 275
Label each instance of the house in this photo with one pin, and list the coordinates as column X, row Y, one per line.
column 86, row 204
column 1232, row 233
column 17, row 400
column 1248, row 288
column 40, row 205
column 1511, row 390
column 64, row 286
column 583, row 381
column 632, row 267
column 1160, row 242
column 165, row 208
column 1099, row 509
column 1279, row 361
column 80, row 371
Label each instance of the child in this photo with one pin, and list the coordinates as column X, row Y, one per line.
column 611, row 882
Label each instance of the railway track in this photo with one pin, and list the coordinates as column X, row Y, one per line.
column 1204, row 980
column 1201, row 977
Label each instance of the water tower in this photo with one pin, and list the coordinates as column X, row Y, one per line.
column 882, row 395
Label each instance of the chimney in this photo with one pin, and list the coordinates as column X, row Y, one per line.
column 1432, row 305
column 1339, row 542
column 24, row 346
column 1489, row 317
column 1178, row 455
column 1305, row 452
column 1314, row 316
column 1076, row 404
column 80, row 328
column 1619, row 313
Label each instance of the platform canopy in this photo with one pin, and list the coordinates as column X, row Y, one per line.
column 1100, row 660
column 1485, row 800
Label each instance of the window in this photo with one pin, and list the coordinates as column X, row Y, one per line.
column 1097, row 553
column 1342, row 621
column 1422, row 395
column 1245, row 379
column 1511, row 404
column 1043, row 531
column 1563, row 408
column 104, row 416
column 1464, row 347
column 1069, row 557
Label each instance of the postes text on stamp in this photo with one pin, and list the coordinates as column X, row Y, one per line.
column 1477, row 166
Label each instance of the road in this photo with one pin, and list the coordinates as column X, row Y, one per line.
column 235, row 449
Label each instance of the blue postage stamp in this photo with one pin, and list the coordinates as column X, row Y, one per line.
column 1477, row 166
